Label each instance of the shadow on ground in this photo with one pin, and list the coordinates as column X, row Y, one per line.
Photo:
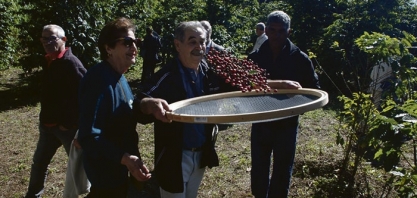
column 18, row 89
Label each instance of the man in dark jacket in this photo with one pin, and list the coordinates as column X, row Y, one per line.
column 282, row 60
column 151, row 46
column 182, row 151
column 59, row 107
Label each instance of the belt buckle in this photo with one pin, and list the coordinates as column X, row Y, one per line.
column 194, row 149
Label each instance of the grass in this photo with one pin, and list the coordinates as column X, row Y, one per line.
column 316, row 162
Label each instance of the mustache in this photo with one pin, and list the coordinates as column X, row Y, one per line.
column 197, row 52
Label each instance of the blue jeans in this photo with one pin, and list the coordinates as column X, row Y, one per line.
column 50, row 139
column 279, row 140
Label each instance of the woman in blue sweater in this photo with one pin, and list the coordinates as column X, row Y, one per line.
column 107, row 130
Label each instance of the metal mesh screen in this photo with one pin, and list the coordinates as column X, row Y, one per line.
column 246, row 104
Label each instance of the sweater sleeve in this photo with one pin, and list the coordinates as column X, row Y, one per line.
column 96, row 108
column 139, row 115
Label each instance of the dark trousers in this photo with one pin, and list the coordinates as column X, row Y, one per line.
column 117, row 192
column 50, row 139
column 279, row 142
column 148, row 69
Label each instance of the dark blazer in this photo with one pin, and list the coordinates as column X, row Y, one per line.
column 215, row 46
column 59, row 91
column 152, row 45
column 291, row 64
column 167, row 84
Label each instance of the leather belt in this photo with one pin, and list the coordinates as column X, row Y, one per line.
column 194, row 149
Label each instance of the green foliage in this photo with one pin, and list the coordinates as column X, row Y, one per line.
column 383, row 48
column 9, row 43
column 308, row 20
column 82, row 21
column 379, row 46
column 348, row 37
column 348, row 21
column 407, row 181
column 368, row 134
column 377, row 133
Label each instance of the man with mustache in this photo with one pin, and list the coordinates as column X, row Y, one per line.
column 182, row 151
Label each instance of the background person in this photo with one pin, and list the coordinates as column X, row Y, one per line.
column 209, row 43
column 59, row 107
column 151, row 46
column 382, row 80
column 260, row 32
column 282, row 60
column 107, row 131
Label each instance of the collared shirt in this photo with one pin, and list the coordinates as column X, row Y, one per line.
column 261, row 39
column 52, row 56
column 208, row 46
column 194, row 136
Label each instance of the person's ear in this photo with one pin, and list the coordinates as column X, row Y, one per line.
column 64, row 39
column 289, row 32
column 108, row 49
column 177, row 44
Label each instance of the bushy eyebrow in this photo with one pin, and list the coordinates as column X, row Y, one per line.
column 192, row 37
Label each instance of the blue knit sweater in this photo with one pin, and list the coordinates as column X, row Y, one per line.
column 107, row 128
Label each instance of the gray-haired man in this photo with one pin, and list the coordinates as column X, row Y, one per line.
column 59, row 107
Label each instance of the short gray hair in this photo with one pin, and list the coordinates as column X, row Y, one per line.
column 279, row 17
column 55, row 28
column 183, row 26
column 260, row 26
column 207, row 26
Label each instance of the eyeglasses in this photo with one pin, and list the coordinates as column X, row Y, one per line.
column 127, row 41
column 280, row 31
column 49, row 39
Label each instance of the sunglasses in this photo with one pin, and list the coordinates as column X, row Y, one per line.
column 127, row 41
column 49, row 39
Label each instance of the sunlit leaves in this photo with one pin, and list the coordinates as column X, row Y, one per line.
column 379, row 45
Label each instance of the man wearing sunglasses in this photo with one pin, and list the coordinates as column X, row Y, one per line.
column 58, row 118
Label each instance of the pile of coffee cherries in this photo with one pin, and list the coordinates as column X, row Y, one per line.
column 241, row 73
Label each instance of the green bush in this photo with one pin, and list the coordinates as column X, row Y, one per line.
column 10, row 49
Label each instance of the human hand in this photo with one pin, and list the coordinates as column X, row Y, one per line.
column 62, row 128
column 157, row 107
column 136, row 167
column 283, row 84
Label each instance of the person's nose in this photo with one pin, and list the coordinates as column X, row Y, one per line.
column 202, row 46
column 134, row 47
